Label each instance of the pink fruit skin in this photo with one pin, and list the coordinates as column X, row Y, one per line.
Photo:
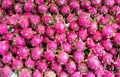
column 52, row 45
column 62, row 2
column 6, row 71
column 37, row 73
column 29, row 6
column 63, row 74
column 62, row 57
column 82, row 67
column 4, row 47
column 42, row 66
column 24, row 22
column 17, row 64
column 90, row 74
column 53, row 8
column 23, row 52
column 76, row 74
column 27, row 33
column 56, row 67
column 41, row 29
column 93, row 61
column 70, row 66
column 67, row 47
column 82, row 33
column 36, row 40
column 60, row 27
column 3, row 28
column 36, row 53
column 6, row 4
column 7, row 58
column 74, row 5
column 25, row 72
column 18, row 8
column 35, row 19
column 30, row 63
column 65, row 10
column 117, row 38
column 78, row 56
column 74, row 26
column 49, row 55
column 72, row 36
column 42, row 8
column 84, row 20
column 80, row 45
column 19, row 41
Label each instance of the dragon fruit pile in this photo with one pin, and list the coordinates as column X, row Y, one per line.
column 60, row 38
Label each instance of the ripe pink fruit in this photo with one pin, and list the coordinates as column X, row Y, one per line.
column 117, row 38
column 25, row 72
column 76, row 74
column 71, row 36
column 107, row 58
column 84, row 20
column 49, row 73
column 4, row 47
column 27, row 33
column 97, row 36
column 29, row 6
column 74, row 4
column 82, row 67
column 7, row 58
column 42, row 8
column 78, row 56
column 90, row 74
column 71, row 18
column 6, row 4
column 36, row 53
column 18, row 8
column 19, row 41
column 82, row 33
column 60, row 38
column 107, row 44
column 67, row 47
column 34, row 19
column 42, row 66
column 49, row 55
column 24, row 22
column 74, row 26
column 70, row 66
column 47, row 19
column 3, row 28
column 17, row 64
column 108, row 31
column 53, row 8
column 23, row 52
column 62, row 2
column 63, row 74
column 30, row 63
column 41, row 29
column 6, row 71
column 98, row 50
column 65, row 10
column 80, row 45
column 52, row 45
column 56, row 67
column 9, row 36
column 62, row 57
column 37, row 73
column 109, row 3
column 60, row 27
column 93, row 61
column 36, row 40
